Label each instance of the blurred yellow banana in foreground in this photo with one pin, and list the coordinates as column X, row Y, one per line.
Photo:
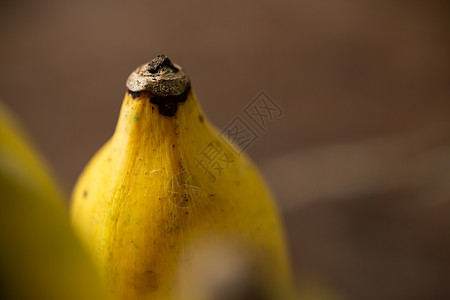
column 40, row 257
column 170, row 210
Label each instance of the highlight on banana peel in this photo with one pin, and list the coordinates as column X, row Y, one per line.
column 157, row 224
column 40, row 255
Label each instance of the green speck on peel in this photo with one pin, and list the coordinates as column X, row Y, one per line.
column 134, row 244
column 136, row 118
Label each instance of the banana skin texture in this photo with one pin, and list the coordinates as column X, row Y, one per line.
column 40, row 255
column 161, row 225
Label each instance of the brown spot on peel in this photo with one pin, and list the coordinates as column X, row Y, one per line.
column 168, row 105
column 134, row 95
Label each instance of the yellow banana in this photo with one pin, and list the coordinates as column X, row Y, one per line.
column 40, row 256
column 170, row 210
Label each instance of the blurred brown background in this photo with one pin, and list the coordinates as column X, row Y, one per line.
column 360, row 161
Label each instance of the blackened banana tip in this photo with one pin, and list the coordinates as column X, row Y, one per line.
column 164, row 80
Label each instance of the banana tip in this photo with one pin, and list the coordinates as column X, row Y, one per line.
column 165, row 81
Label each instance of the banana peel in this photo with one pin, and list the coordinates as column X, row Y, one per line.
column 160, row 220
column 40, row 255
